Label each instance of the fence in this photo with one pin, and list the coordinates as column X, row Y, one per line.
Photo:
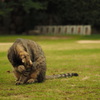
column 68, row 29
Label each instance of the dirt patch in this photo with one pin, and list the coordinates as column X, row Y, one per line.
column 4, row 46
column 88, row 41
column 1, row 44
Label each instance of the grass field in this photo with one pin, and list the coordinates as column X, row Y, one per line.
column 64, row 54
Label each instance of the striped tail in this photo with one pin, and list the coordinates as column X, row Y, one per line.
column 61, row 76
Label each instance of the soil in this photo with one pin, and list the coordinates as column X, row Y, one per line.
column 1, row 44
column 88, row 41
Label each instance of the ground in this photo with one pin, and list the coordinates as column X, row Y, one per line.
column 5, row 46
column 63, row 55
column 88, row 41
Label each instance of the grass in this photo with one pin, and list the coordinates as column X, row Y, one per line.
column 63, row 55
column 10, row 38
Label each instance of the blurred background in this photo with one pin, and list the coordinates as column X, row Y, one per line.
column 22, row 16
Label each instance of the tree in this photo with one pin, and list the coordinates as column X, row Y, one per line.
column 19, row 14
column 23, row 15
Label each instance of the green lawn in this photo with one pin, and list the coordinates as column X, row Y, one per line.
column 64, row 54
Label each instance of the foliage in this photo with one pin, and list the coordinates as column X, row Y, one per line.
column 3, row 10
column 75, row 12
column 50, row 12
column 8, row 6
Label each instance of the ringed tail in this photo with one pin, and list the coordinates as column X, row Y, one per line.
column 61, row 76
